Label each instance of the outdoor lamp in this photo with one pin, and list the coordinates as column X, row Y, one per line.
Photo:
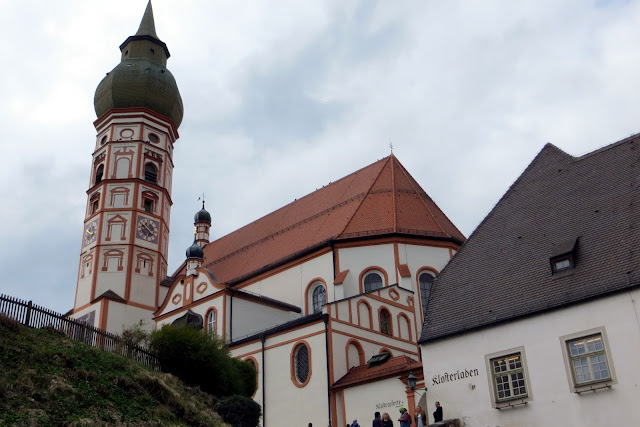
column 411, row 380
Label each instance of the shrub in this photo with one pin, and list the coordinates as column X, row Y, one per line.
column 247, row 376
column 196, row 358
column 239, row 411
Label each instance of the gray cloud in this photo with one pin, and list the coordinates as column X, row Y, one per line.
column 284, row 97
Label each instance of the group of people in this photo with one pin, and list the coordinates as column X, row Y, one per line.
column 420, row 418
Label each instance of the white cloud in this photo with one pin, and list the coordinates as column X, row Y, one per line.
column 284, row 97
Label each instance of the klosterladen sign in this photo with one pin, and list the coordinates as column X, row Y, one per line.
column 454, row 376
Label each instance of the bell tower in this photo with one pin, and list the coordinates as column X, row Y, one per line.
column 126, row 227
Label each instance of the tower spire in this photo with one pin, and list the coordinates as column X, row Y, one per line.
column 147, row 25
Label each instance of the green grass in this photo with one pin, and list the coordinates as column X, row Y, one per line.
column 48, row 379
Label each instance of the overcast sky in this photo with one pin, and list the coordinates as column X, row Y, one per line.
column 280, row 98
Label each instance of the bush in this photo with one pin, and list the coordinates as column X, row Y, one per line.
column 247, row 376
column 196, row 358
column 239, row 411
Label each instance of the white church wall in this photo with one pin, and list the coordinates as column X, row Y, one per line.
column 250, row 317
column 357, row 259
column 363, row 401
column 96, row 308
column 282, row 393
column 289, row 285
column 123, row 316
column 83, row 290
column 113, row 270
column 551, row 399
column 417, row 256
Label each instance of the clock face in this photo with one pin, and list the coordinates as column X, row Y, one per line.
column 147, row 230
column 90, row 231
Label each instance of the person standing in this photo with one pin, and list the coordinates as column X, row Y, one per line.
column 421, row 417
column 377, row 422
column 437, row 415
column 405, row 418
column 355, row 423
column 386, row 420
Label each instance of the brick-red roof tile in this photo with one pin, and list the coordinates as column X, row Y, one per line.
column 379, row 199
column 365, row 373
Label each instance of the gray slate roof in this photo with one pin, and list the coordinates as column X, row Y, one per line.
column 503, row 271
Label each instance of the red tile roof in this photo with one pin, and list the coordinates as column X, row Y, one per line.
column 377, row 200
column 365, row 373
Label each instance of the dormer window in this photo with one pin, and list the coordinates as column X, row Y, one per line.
column 563, row 258
column 562, row 264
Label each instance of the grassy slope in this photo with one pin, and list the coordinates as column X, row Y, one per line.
column 47, row 379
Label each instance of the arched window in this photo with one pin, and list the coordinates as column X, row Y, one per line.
column 301, row 365
column 211, row 323
column 150, row 173
column 99, row 174
column 385, row 322
column 372, row 281
column 426, row 281
column 319, row 298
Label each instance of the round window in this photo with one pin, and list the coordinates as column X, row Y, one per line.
column 103, row 140
column 154, row 138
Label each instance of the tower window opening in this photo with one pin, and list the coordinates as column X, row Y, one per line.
column 99, row 173
column 148, row 205
column 150, row 173
column 126, row 53
column 152, row 51
column 94, row 203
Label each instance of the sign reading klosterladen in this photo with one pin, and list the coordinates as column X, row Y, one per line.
column 390, row 404
column 454, row 376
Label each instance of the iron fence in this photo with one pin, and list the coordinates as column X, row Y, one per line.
column 35, row 316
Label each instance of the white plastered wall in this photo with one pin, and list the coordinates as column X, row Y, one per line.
column 358, row 259
column 122, row 316
column 552, row 401
column 287, row 404
column 250, row 317
column 289, row 285
column 361, row 402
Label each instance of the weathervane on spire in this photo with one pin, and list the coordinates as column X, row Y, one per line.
column 391, row 146
column 201, row 198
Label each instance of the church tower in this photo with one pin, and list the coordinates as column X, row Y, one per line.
column 126, row 228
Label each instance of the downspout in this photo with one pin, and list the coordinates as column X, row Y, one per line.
column 230, row 315
column 263, row 338
column 325, row 318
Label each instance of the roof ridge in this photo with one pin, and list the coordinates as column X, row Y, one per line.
column 407, row 175
column 607, row 147
column 536, row 159
column 393, row 196
column 365, row 196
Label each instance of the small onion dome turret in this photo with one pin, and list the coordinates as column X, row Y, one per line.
column 202, row 215
column 195, row 251
column 141, row 79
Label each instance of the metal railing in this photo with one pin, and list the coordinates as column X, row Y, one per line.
column 35, row 316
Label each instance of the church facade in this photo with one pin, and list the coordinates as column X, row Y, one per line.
column 325, row 296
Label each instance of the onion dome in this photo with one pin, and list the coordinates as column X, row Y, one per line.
column 195, row 251
column 141, row 79
column 202, row 215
